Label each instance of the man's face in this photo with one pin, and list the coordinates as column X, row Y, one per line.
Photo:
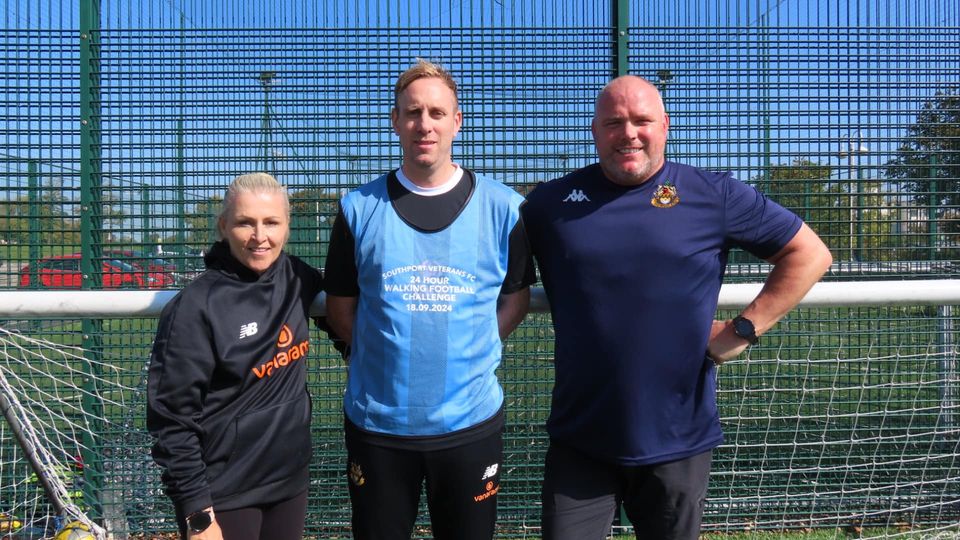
column 630, row 131
column 426, row 119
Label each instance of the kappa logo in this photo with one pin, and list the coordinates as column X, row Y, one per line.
column 490, row 471
column 247, row 330
column 577, row 195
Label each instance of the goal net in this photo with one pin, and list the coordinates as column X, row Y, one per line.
column 55, row 441
column 845, row 418
column 855, row 428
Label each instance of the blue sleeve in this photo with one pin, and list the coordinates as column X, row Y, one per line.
column 756, row 223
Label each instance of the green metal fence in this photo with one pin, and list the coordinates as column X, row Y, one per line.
column 124, row 120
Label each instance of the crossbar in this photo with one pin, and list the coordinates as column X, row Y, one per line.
column 92, row 304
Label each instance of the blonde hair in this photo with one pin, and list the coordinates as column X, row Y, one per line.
column 251, row 183
column 257, row 182
column 423, row 69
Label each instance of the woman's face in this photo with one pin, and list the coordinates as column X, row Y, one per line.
column 256, row 227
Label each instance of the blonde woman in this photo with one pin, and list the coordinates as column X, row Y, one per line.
column 227, row 400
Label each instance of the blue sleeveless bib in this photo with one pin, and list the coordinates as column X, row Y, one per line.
column 426, row 341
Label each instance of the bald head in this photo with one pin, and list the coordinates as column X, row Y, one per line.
column 630, row 83
column 630, row 130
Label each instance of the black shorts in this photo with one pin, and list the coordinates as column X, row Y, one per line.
column 461, row 485
column 664, row 501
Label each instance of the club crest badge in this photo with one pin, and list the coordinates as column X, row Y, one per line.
column 665, row 195
column 356, row 475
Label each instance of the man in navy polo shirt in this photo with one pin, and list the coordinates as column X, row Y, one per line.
column 631, row 252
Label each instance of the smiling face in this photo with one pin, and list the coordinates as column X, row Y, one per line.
column 630, row 130
column 256, row 226
column 427, row 120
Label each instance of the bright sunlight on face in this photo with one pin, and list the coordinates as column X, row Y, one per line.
column 256, row 227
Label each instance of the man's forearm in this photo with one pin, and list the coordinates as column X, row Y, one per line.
column 341, row 312
column 796, row 269
column 511, row 309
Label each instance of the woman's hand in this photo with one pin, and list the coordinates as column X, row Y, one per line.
column 212, row 532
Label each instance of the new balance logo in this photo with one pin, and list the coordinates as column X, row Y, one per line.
column 247, row 330
column 490, row 472
column 576, row 195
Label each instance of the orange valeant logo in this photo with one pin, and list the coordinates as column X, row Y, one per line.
column 288, row 353
column 286, row 337
column 491, row 490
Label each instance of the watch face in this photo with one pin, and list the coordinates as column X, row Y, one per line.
column 744, row 328
column 199, row 521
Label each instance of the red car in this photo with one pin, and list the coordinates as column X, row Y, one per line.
column 159, row 273
column 63, row 272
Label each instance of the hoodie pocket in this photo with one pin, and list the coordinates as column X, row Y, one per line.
column 271, row 445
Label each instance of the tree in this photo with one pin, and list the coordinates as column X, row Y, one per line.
column 802, row 186
column 47, row 220
column 928, row 163
column 312, row 212
column 860, row 225
column 928, row 160
column 202, row 223
column 314, row 201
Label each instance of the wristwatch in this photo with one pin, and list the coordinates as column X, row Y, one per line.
column 744, row 328
column 198, row 522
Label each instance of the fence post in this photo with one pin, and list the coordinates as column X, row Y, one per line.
column 620, row 9
column 934, row 201
column 90, row 229
column 181, row 195
column 621, row 44
column 33, row 213
column 948, row 366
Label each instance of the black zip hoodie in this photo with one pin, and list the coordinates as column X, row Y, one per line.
column 227, row 401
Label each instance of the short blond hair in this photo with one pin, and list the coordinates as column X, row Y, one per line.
column 257, row 182
column 423, row 69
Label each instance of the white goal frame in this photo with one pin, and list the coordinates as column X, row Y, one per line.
column 91, row 304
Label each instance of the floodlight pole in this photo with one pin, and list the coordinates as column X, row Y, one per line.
column 664, row 76
column 854, row 181
column 266, row 80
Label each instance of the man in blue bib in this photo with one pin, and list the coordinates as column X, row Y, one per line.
column 631, row 253
column 428, row 270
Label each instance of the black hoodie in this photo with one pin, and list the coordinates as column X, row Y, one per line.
column 227, row 401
